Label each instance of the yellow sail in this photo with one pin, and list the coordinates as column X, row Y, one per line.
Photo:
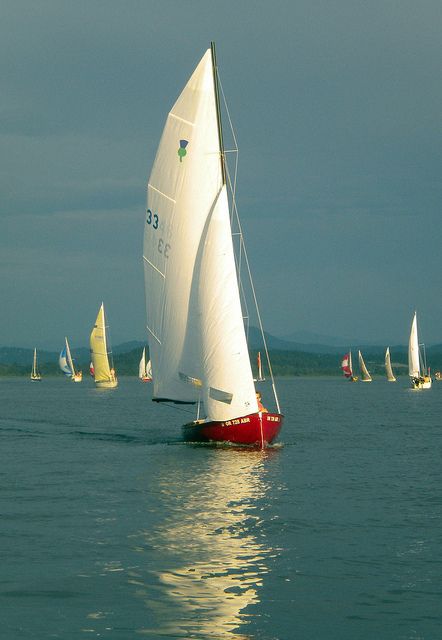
column 103, row 373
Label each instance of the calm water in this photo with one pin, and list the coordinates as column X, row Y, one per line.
column 113, row 528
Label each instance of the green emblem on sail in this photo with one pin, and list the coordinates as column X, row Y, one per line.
column 182, row 150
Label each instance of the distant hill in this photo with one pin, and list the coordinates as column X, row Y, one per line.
column 335, row 347
column 289, row 359
column 308, row 337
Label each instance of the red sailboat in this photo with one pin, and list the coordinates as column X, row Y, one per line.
column 197, row 340
column 347, row 367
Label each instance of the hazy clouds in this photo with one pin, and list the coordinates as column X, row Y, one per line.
column 337, row 110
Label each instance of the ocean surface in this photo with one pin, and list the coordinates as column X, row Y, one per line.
column 112, row 527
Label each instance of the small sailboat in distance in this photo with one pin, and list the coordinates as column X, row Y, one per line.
column 260, row 377
column 388, row 367
column 35, row 374
column 66, row 364
column 417, row 366
column 196, row 334
column 101, row 354
column 365, row 374
column 145, row 369
column 347, row 367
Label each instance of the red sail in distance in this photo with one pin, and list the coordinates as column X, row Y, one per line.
column 345, row 366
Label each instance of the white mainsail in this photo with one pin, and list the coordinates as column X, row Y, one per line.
column 195, row 328
column 388, row 367
column 413, row 351
column 365, row 375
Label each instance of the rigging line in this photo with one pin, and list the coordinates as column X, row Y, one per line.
column 238, row 261
column 235, row 149
column 153, row 334
column 238, row 253
column 246, row 259
column 235, row 210
column 232, row 187
column 228, row 112
column 177, row 408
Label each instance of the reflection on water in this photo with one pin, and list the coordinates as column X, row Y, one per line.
column 211, row 554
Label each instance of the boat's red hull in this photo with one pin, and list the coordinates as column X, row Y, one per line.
column 256, row 429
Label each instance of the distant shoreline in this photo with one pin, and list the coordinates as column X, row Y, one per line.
column 16, row 362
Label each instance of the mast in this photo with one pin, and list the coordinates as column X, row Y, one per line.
column 218, row 113
column 103, row 329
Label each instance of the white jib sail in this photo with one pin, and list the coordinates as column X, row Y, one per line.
column 413, row 351
column 229, row 391
column 186, row 203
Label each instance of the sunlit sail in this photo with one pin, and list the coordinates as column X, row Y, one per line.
column 101, row 354
column 417, row 366
column 365, row 375
column 388, row 367
column 35, row 374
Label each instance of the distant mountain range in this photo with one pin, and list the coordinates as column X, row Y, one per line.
column 288, row 357
column 308, row 337
column 299, row 341
column 316, row 343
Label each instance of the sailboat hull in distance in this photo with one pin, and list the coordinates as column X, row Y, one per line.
column 424, row 382
column 106, row 384
column 255, row 429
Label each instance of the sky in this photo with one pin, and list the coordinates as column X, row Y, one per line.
column 337, row 109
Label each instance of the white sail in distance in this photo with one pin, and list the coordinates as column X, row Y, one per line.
column 365, row 375
column 142, row 365
column 413, row 351
column 144, row 369
column 100, row 352
column 35, row 375
column 388, row 367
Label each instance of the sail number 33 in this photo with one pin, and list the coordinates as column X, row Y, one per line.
column 153, row 220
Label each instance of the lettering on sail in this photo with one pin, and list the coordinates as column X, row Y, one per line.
column 153, row 220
